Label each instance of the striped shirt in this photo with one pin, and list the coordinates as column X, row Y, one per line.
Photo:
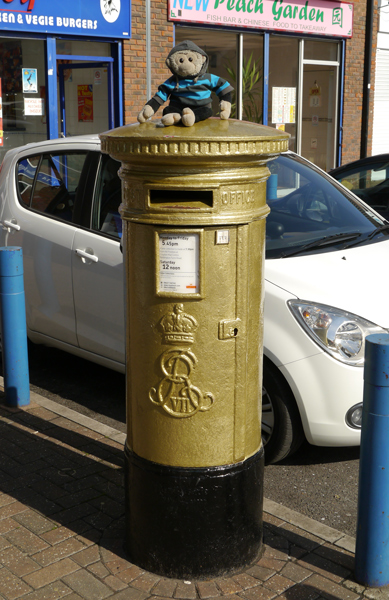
column 191, row 92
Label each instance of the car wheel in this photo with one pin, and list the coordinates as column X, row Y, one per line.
column 282, row 431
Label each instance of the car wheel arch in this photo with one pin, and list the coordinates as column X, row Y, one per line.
column 288, row 431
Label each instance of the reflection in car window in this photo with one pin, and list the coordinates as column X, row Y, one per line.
column 25, row 178
column 305, row 206
column 49, row 183
column 105, row 216
column 371, row 183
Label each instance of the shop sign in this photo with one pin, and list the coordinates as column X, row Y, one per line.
column 319, row 17
column 97, row 18
column 33, row 107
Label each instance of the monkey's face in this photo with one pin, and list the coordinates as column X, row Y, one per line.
column 186, row 63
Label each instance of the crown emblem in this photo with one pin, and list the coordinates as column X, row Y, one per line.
column 178, row 326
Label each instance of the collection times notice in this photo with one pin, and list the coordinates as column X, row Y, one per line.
column 179, row 263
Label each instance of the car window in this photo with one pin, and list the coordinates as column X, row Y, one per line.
column 105, row 214
column 48, row 183
column 306, row 206
column 365, row 177
column 371, row 183
column 25, row 178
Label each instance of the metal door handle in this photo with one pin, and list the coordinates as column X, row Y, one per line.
column 88, row 254
column 11, row 225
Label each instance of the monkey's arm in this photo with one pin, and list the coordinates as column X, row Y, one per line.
column 225, row 106
column 156, row 101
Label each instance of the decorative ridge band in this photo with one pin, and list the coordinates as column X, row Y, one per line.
column 127, row 147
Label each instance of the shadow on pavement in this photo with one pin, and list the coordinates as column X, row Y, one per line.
column 316, row 455
column 79, row 384
column 70, row 475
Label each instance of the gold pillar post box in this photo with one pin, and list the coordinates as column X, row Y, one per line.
column 194, row 210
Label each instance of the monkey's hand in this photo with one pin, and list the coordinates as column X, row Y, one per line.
column 145, row 113
column 225, row 109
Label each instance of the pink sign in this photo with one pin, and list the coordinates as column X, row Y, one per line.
column 319, row 17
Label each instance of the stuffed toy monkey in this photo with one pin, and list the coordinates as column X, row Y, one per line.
column 189, row 89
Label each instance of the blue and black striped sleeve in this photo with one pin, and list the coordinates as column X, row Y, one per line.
column 163, row 94
column 220, row 86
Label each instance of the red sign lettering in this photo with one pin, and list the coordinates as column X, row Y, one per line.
column 30, row 3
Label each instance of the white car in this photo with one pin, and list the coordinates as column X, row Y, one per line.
column 325, row 280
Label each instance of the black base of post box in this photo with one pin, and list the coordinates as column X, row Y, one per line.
column 194, row 523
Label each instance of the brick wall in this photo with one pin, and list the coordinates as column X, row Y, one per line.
column 134, row 59
column 353, row 84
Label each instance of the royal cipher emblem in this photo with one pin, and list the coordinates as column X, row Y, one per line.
column 176, row 393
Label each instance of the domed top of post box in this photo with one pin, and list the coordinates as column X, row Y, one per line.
column 210, row 140
column 201, row 175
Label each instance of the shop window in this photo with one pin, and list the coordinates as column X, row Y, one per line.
column 316, row 50
column 49, row 184
column 252, row 78
column 221, row 49
column 283, row 83
column 80, row 48
column 22, row 92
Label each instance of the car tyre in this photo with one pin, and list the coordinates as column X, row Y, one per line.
column 282, row 431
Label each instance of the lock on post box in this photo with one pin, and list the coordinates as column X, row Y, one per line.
column 193, row 210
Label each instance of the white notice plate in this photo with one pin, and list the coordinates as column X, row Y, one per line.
column 179, row 263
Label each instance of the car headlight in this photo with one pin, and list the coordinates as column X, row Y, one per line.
column 340, row 333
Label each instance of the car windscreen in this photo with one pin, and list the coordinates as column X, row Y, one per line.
column 310, row 213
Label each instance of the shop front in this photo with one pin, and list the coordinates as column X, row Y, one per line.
column 60, row 68
column 285, row 60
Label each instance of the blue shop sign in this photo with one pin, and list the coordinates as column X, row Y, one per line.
column 97, row 18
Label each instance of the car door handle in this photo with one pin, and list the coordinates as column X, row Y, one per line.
column 11, row 225
column 88, row 254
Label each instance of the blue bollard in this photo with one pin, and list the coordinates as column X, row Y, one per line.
column 13, row 327
column 372, row 545
column 271, row 187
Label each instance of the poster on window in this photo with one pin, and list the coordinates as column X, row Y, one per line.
column 283, row 105
column 85, row 103
column 315, row 96
column 33, row 107
column 1, row 117
column 30, row 81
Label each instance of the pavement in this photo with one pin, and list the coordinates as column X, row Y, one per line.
column 62, row 525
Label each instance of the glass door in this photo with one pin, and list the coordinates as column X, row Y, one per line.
column 318, row 110
column 303, row 95
column 85, row 95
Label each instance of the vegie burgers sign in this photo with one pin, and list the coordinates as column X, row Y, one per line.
column 98, row 18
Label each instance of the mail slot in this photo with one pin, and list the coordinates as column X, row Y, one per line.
column 176, row 198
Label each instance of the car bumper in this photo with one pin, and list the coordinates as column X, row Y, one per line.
column 325, row 389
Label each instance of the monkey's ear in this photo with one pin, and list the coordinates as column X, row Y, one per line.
column 204, row 58
column 167, row 62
